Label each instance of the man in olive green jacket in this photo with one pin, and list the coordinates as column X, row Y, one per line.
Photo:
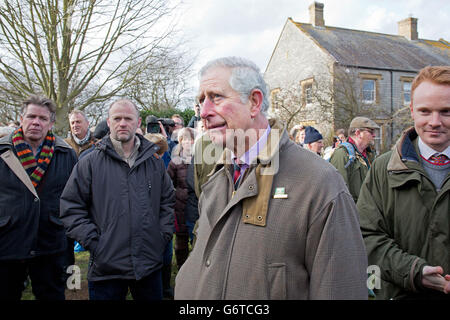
column 404, row 203
column 362, row 132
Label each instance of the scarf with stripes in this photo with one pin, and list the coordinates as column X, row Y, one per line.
column 35, row 167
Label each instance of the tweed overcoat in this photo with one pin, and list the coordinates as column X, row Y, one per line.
column 265, row 242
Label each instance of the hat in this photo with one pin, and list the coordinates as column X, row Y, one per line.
column 312, row 135
column 363, row 122
column 101, row 130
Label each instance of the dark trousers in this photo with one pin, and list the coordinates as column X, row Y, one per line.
column 181, row 248
column 148, row 288
column 46, row 274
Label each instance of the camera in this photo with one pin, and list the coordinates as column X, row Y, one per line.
column 153, row 125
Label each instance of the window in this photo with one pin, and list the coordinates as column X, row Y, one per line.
column 307, row 91
column 370, row 87
column 406, row 83
column 406, row 93
column 275, row 99
column 368, row 90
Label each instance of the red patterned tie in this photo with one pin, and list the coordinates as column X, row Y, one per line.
column 237, row 174
column 439, row 160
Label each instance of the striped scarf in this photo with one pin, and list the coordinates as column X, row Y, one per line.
column 34, row 167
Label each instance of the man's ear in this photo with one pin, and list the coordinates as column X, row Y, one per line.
column 256, row 100
column 411, row 108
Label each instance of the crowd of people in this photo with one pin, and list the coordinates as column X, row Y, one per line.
column 254, row 211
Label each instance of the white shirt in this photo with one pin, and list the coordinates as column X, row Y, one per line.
column 427, row 152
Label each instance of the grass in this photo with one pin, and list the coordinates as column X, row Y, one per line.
column 82, row 261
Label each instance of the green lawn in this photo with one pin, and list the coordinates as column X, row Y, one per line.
column 82, row 261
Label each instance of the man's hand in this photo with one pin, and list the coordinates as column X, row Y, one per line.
column 432, row 278
column 163, row 131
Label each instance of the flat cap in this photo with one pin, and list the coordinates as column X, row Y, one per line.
column 363, row 122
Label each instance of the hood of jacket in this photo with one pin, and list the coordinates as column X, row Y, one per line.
column 146, row 149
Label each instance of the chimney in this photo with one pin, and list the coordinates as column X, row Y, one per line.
column 408, row 28
column 316, row 14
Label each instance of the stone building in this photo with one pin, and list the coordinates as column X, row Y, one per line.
column 324, row 76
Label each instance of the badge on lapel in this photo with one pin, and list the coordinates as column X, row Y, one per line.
column 280, row 193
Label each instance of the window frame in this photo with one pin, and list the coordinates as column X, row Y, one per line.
column 376, row 79
column 275, row 105
column 307, row 87
column 404, row 80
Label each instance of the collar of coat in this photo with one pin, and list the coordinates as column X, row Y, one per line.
column 405, row 167
column 403, row 151
column 255, row 205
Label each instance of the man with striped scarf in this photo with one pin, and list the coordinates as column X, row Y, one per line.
column 34, row 167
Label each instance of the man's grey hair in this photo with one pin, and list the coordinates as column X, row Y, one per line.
column 42, row 102
column 76, row 111
column 245, row 77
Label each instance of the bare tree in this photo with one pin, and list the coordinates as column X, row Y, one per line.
column 340, row 92
column 164, row 82
column 294, row 106
column 287, row 104
column 62, row 48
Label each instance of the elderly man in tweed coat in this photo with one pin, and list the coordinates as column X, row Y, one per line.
column 275, row 221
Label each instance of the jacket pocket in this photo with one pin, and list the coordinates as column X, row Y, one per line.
column 276, row 274
column 4, row 221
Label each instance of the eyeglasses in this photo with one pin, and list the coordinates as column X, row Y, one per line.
column 370, row 130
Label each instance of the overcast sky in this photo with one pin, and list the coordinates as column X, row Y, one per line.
column 251, row 28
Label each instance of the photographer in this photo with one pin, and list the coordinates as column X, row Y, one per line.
column 165, row 127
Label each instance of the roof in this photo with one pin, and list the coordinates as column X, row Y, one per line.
column 376, row 50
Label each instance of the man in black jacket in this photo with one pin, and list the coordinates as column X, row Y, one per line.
column 118, row 204
column 34, row 167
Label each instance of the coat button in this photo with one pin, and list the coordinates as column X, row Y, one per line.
column 36, row 199
column 32, row 253
column 208, row 263
column 251, row 187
